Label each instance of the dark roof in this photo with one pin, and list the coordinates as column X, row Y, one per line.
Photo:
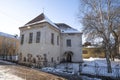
column 38, row 18
column 7, row 35
column 64, row 28
column 62, row 25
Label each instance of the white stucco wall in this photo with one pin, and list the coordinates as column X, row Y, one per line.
column 76, row 45
column 45, row 46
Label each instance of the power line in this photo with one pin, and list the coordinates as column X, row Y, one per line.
column 11, row 17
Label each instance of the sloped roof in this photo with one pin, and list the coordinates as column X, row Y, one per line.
column 7, row 35
column 39, row 19
column 66, row 28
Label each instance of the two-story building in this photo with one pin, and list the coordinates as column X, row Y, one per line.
column 43, row 40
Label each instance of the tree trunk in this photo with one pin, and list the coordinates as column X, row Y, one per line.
column 113, row 58
column 112, row 55
column 117, row 46
column 115, row 51
column 108, row 62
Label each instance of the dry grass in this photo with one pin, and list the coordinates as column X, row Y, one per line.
column 31, row 74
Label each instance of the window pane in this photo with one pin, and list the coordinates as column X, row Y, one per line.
column 68, row 43
column 30, row 37
column 38, row 37
column 52, row 38
column 57, row 40
column 52, row 59
column 22, row 39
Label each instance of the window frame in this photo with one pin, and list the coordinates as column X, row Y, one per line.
column 52, row 59
column 68, row 43
column 58, row 38
column 52, row 38
column 31, row 37
column 22, row 39
column 38, row 35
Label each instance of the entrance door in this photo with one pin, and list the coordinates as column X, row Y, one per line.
column 69, row 58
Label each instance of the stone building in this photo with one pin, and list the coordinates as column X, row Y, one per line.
column 43, row 40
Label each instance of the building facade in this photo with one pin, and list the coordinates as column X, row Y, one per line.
column 94, row 52
column 9, row 47
column 45, row 41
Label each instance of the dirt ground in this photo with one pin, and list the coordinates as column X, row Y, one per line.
column 29, row 73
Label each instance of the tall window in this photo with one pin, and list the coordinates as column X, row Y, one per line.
column 57, row 40
column 52, row 59
column 68, row 42
column 22, row 39
column 30, row 37
column 52, row 38
column 38, row 37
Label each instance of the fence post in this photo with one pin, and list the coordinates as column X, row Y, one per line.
column 80, row 68
column 117, row 71
column 96, row 69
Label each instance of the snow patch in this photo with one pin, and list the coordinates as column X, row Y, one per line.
column 58, row 71
column 44, row 20
column 6, row 75
column 69, row 30
column 98, row 66
column 88, row 78
column 6, row 62
column 6, row 35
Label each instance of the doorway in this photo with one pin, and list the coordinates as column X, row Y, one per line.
column 68, row 56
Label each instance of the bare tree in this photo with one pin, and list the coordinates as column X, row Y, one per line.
column 101, row 19
column 4, row 48
column 8, row 47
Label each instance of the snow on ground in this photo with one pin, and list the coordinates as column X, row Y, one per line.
column 98, row 66
column 72, row 70
column 69, row 73
column 5, row 75
column 101, row 62
column 6, row 35
column 58, row 71
column 6, row 62
column 10, row 71
column 65, row 68
column 92, row 66
column 88, row 78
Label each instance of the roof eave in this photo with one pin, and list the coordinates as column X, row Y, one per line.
column 73, row 32
column 38, row 23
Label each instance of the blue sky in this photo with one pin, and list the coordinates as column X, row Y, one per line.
column 15, row 13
